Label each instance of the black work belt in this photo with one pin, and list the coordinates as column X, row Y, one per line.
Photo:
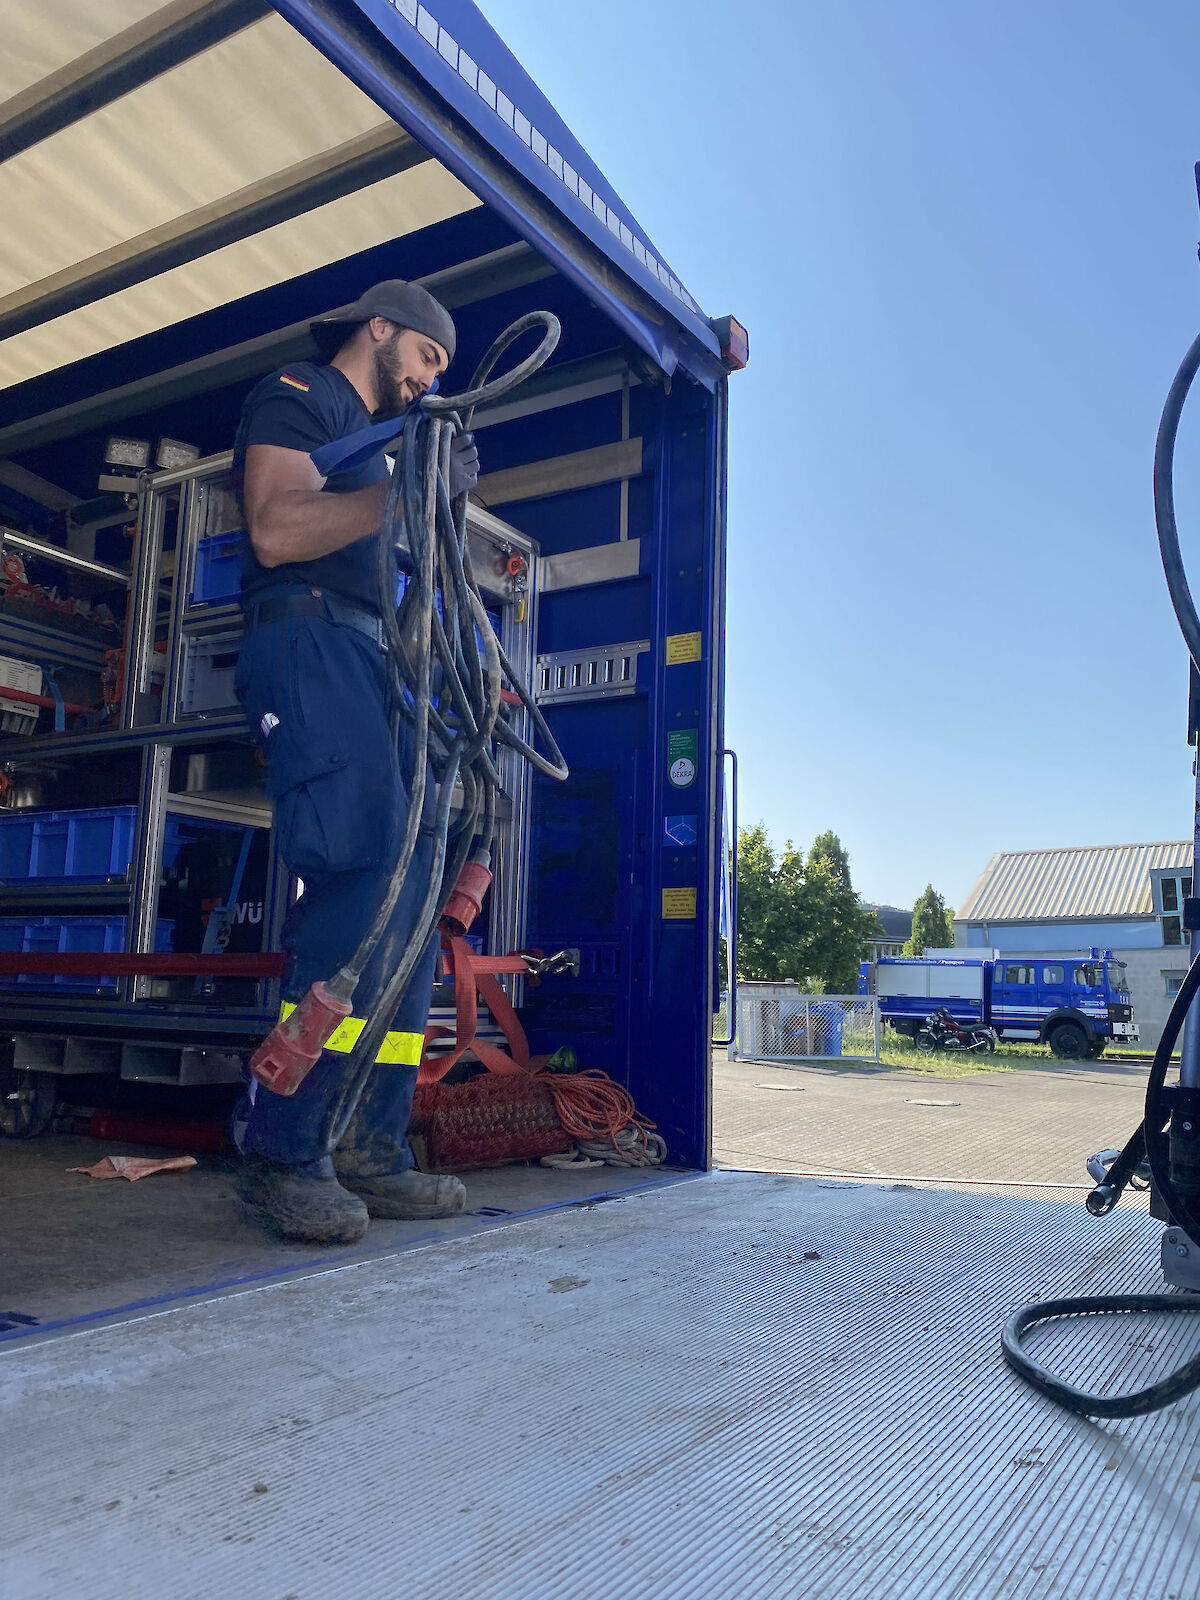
column 315, row 603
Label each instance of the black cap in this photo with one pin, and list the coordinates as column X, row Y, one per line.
column 406, row 304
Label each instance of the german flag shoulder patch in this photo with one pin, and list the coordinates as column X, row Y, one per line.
column 294, row 383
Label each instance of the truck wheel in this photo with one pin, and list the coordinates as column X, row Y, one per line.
column 27, row 1102
column 1069, row 1042
column 1097, row 1049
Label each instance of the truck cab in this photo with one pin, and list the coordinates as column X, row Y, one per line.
column 1074, row 1005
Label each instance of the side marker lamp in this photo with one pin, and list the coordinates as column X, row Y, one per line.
column 734, row 342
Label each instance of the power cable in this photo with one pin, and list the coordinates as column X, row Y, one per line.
column 1164, row 1156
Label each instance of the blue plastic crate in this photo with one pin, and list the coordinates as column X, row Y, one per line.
column 88, row 846
column 63, row 935
column 218, row 569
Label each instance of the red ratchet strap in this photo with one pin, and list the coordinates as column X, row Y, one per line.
column 476, row 976
column 117, row 964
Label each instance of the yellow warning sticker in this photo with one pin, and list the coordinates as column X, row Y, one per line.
column 679, row 903
column 682, row 647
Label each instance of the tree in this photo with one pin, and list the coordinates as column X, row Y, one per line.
column 828, row 847
column 932, row 927
column 798, row 916
column 770, row 918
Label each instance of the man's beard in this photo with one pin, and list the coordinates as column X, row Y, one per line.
column 392, row 393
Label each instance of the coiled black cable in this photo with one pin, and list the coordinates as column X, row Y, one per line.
column 447, row 670
column 1186, row 1379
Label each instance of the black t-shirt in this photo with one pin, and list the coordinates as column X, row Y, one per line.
column 300, row 408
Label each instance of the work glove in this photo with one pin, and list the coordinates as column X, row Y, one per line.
column 464, row 464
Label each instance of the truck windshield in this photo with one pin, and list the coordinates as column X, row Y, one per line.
column 1116, row 975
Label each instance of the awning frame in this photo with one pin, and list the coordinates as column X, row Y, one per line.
column 367, row 55
column 382, row 152
column 130, row 58
column 511, row 267
column 426, row 126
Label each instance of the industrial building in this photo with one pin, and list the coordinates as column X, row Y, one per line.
column 1127, row 898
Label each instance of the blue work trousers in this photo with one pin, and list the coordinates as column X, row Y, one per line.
column 317, row 692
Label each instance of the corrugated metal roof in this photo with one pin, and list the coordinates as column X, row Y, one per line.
column 1107, row 880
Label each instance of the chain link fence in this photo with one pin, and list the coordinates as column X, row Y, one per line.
column 775, row 1022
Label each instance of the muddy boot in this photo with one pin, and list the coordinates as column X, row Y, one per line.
column 410, row 1196
column 304, row 1202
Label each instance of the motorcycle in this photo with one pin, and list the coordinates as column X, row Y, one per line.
column 941, row 1032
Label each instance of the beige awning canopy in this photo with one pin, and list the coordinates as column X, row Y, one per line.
column 234, row 170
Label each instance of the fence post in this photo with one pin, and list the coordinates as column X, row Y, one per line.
column 875, row 1018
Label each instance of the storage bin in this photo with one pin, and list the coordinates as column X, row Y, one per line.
column 86, row 846
column 218, row 578
column 63, row 935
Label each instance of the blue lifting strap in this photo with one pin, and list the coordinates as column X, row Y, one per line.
column 60, row 710
column 356, row 449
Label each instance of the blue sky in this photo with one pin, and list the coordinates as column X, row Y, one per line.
column 963, row 239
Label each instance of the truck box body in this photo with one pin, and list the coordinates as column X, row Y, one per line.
column 286, row 159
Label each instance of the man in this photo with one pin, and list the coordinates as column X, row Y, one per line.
column 313, row 679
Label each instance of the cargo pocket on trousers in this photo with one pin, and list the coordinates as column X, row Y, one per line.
column 330, row 815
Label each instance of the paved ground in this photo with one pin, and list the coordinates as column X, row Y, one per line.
column 1031, row 1127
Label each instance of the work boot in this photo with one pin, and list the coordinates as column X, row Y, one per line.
column 304, row 1201
column 410, row 1196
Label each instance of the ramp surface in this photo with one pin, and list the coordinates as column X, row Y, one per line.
column 742, row 1385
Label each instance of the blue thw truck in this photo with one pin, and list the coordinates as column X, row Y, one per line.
column 1075, row 1004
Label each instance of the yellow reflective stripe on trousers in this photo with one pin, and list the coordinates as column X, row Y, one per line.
column 397, row 1049
column 401, row 1050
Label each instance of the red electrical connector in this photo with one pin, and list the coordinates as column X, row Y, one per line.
column 465, row 904
column 290, row 1051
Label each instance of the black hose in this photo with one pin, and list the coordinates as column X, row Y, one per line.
column 1174, row 1387
column 446, row 673
column 1164, row 501
column 1186, row 1379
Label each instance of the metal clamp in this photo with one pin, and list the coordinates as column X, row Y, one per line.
column 562, row 961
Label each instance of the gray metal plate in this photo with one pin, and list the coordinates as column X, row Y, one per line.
column 743, row 1385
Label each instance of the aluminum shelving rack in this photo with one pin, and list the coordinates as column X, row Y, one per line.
column 158, row 721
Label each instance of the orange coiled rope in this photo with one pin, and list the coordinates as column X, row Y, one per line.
column 596, row 1111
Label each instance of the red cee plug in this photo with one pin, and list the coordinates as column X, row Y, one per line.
column 465, row 904
column 289, row 1052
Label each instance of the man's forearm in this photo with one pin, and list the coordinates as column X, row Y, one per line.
column 302, row 524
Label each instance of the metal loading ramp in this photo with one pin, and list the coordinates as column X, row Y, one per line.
column 746, row 1385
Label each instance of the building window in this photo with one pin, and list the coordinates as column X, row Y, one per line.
column 1172, row 983
column 1172, row 892
column 1053, row 975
